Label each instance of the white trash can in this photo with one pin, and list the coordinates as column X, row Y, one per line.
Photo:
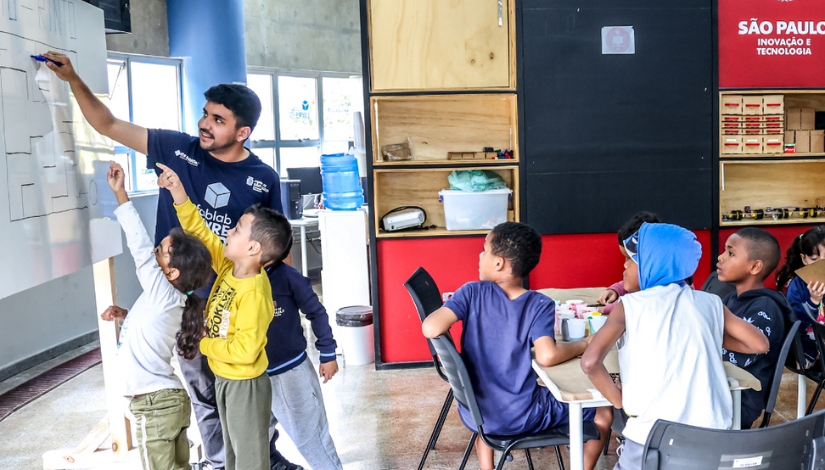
column 355, row 335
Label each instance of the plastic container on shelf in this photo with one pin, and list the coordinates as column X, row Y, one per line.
column 342, row 185
column 480, row 210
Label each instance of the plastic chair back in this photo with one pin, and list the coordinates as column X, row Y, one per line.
column 427, row 299
column 457, row 376
column 714, row 286
column 797, row 444
column 424, row 293
column 790, row 339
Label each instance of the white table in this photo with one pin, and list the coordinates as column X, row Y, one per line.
column 303, row 223
column 579, row 393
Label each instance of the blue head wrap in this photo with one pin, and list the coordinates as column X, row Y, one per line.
column 664, row 253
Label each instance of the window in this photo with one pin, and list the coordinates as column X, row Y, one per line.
column 304, row 115
column 147, row 92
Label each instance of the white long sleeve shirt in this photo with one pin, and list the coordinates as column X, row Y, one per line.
column 147, row 337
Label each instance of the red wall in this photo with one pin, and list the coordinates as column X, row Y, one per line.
column 452, row 262
column 784, row 235
column 594, row 260
column 567, row 261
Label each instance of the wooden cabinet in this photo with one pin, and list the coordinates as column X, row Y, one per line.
column 760, row 184
column 420, row 187
column 438, row 124
column 442, row 44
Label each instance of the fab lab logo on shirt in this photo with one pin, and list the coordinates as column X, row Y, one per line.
column 217, row 195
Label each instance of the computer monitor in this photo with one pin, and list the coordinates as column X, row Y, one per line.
column 310, row 179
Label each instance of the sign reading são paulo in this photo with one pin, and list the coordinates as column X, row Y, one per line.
column 787, row 36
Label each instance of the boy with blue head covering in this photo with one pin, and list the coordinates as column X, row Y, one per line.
column 670, row 339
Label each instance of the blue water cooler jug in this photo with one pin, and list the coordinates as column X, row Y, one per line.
column 342, row 185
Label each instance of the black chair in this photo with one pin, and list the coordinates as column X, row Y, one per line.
column 463, row 391
column 714, row 286
column 790, row 339
column 798, row 444
column 427, row 299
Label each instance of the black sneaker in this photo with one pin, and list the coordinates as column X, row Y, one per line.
column 278, row 462
column 286, row 466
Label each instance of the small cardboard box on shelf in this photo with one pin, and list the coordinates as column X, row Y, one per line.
column 753, row 144
column 773, row 144
column 818, row 141
column 773, row 104
column 752, row 105
column 802, row 139
column 800, row 119
column 731, row 105
column 732, row 145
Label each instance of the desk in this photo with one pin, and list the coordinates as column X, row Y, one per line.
column 569, row 384
column 586, row 294
column 303, row 224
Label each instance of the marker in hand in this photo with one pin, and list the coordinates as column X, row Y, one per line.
column 40, row 58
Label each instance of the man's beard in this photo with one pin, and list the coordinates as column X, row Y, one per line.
column 215, row 146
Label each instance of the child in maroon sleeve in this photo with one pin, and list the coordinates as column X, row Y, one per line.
column 611, row 295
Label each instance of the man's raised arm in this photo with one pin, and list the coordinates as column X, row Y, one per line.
column 98, row 115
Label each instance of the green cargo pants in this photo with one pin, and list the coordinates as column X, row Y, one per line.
column 162, row 418
column 243, row 406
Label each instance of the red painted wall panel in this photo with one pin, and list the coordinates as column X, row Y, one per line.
column 587, row 260
column 759, row 56
column 452, row 262
column 784, row 235
column 594, row 260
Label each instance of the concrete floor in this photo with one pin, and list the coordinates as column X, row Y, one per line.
column 379, row 420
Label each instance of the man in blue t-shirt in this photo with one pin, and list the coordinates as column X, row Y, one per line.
column 501, row 322
column 221, row 177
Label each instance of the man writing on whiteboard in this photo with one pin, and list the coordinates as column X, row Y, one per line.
column 221, row 177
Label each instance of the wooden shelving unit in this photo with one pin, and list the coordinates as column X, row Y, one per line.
column 775, row 179
column 772, row 183
column 420, row 187
column 438, row 45
column 443, row 75
column 438, row 124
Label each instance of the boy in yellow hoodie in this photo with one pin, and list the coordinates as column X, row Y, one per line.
column 238, row 314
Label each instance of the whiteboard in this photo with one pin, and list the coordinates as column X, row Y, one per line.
column 51, row 216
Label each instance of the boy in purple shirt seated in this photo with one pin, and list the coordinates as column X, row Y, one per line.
column 502, row 321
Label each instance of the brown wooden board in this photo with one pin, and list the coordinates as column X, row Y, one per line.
column 440, row 45
column 813, row 272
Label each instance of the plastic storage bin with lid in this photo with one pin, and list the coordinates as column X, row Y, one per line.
column 342, row 184
column 464, row 210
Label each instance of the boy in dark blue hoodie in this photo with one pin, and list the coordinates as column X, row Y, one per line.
column 750, row 255
column 297, row 402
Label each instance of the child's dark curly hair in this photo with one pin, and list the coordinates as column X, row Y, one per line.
column 519, row 244
column 191, row 258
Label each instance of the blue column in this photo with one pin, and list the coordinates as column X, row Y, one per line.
column 209, row 36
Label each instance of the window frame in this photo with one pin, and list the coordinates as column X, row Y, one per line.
column 278, row 143
column 128, row 59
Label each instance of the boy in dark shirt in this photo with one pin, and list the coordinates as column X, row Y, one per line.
column 297, row 402
column 501, row 321
column 750, row 255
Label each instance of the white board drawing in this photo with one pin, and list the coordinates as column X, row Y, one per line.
column 50, row 200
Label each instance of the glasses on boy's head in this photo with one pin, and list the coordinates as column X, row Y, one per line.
column 631, row 246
